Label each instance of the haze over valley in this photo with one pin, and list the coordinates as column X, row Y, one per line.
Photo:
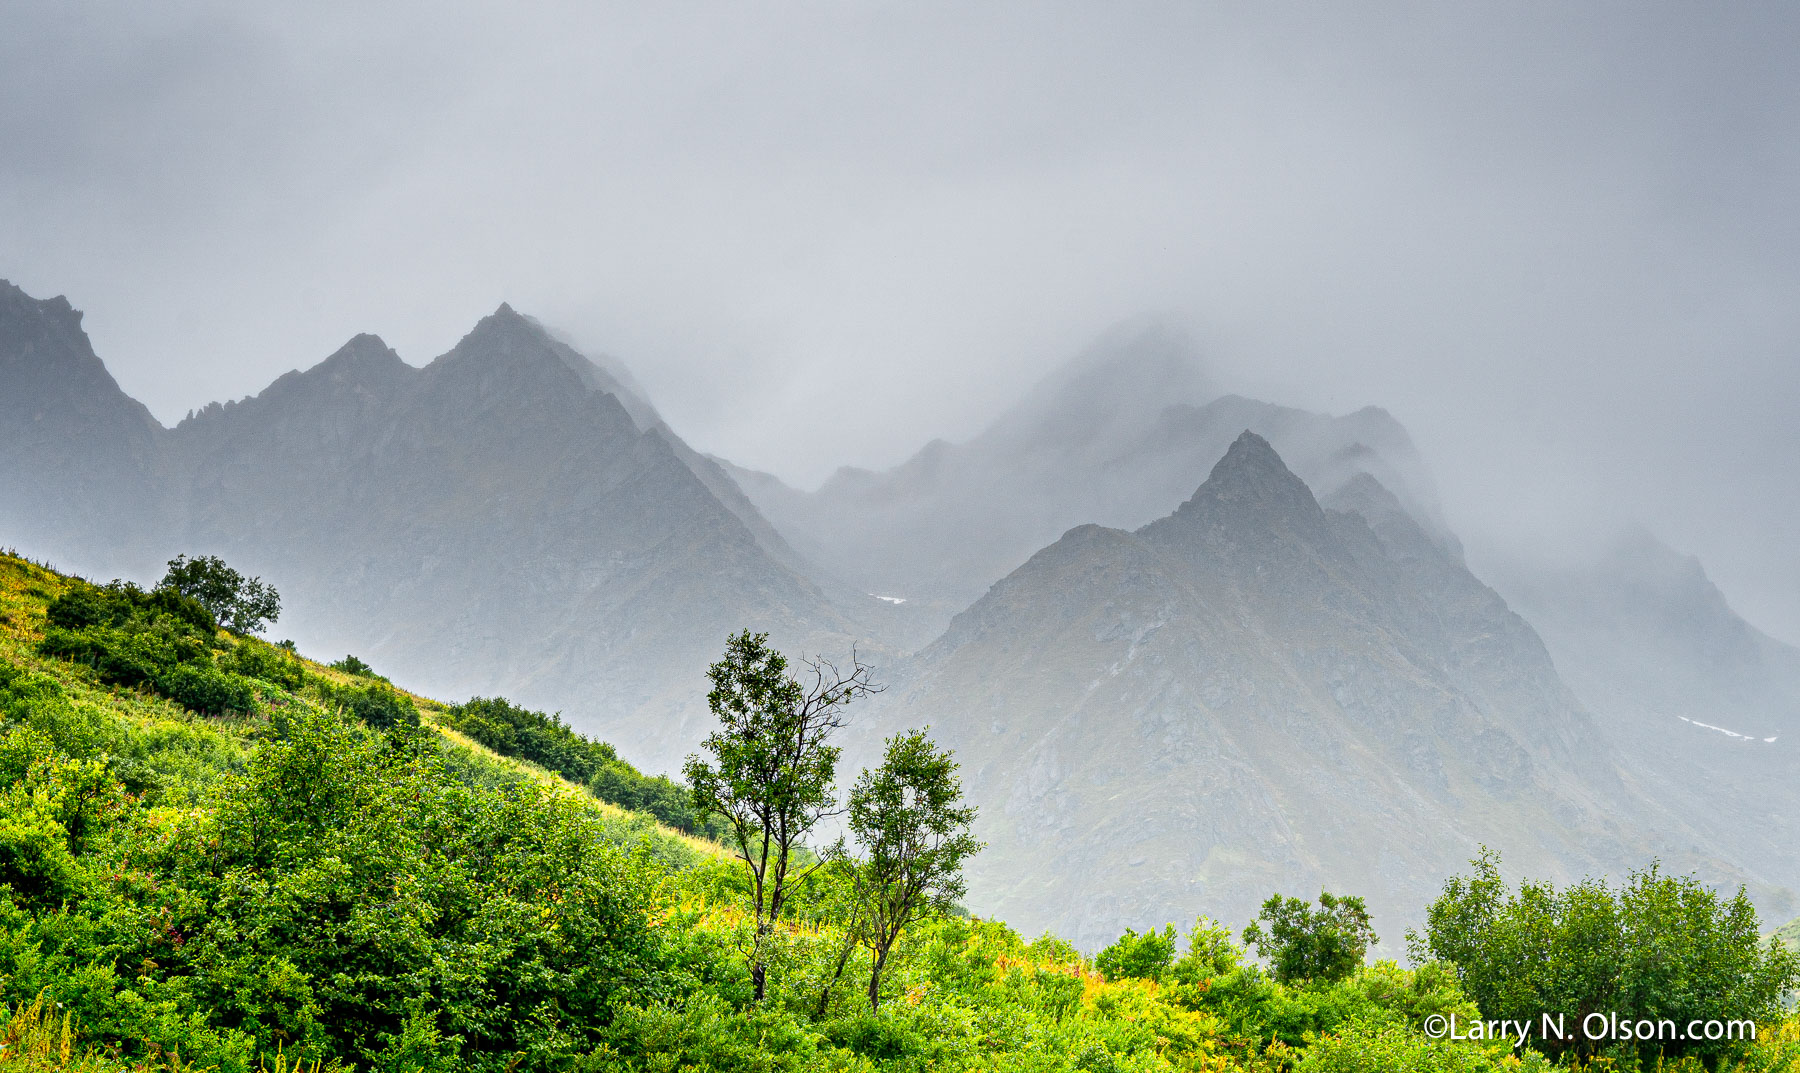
column 1132, row 587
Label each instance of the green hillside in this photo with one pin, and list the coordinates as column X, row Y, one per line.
column 1789, row 933
column 218, row 855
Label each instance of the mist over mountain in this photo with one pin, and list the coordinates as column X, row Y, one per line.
column 1703, row 704
column 1117, row 437
column 1256, row 693
column 591, row 566
column 1190, row 648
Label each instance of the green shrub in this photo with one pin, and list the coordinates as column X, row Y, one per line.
column 872, row 1035
column 545, row 740
column 1301, row 943
column 270, row 663
column 352, row 665
column 1211, row 952
column 1659, row 948
column 161, row 639
column 1145, row 957
column 206, row 690
column 343, row 895
column 376, row 704
column 1381, row 1047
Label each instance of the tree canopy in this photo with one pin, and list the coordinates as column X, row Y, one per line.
column 909, row 817
column 1658, row 948
column 240, row 604
column 1303, row 943
column 771, row 772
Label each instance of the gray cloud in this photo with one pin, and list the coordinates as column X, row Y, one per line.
column 1558, row 241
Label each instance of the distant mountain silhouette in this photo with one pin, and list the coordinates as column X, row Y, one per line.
column 591, row 561
column 1703, row 706
column 1114, row 438
column 1177, row 679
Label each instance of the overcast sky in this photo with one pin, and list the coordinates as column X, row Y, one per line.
column 1559, row 241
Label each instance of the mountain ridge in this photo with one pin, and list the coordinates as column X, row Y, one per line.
column 1254, row 677
column 589, row 556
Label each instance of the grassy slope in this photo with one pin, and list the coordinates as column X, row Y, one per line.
column 27, row 588
column 964, row 994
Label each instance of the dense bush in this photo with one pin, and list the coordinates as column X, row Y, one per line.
column 1303, row 943
column 343, row 897
column 1383, row 1047
column 162, row 640
column 272, row 664
column 1149, row 956
column 374, row 703
column 239, row 895
column 129, row 636
column 352, row 665
column 1659, row 948
column 545, row 740
column 206, row 689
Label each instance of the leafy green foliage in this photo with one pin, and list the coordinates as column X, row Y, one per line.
column 1361, row 1046
column 1660, row 947
column 910, row 821
column 1301, row 943
column 1211, row 952
column 770, row 777
column 238, row 603
column 352, row 665
column 300, row 893
column 512, row 730
column 1149, row 956
column 162, row 639
column 342, row 896
column 376, row 704
column 206, row 690
column 278, row 666
column 545, row 740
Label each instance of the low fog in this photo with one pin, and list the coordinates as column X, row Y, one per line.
column 1557, row 242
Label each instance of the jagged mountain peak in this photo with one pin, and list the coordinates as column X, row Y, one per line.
column 1249, row 449
column 365, row 356
column 42, row 331
column 1251, row 505
column 507, row 329
column 509, row 355
column 1251, row 478
column 365, row 367
column 14, row 300
column 48, row 366
column 362, row 346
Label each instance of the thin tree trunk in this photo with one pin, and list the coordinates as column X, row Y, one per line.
column 875, row 981
column 848, row 948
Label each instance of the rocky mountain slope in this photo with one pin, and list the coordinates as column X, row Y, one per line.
column 81, row 462
column 587, row 559
column 1257, row 693
column 1167, row 713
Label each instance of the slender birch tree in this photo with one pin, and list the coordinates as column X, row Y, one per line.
column 769, row 767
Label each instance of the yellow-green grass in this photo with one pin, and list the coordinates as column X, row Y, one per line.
column 27, row 588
